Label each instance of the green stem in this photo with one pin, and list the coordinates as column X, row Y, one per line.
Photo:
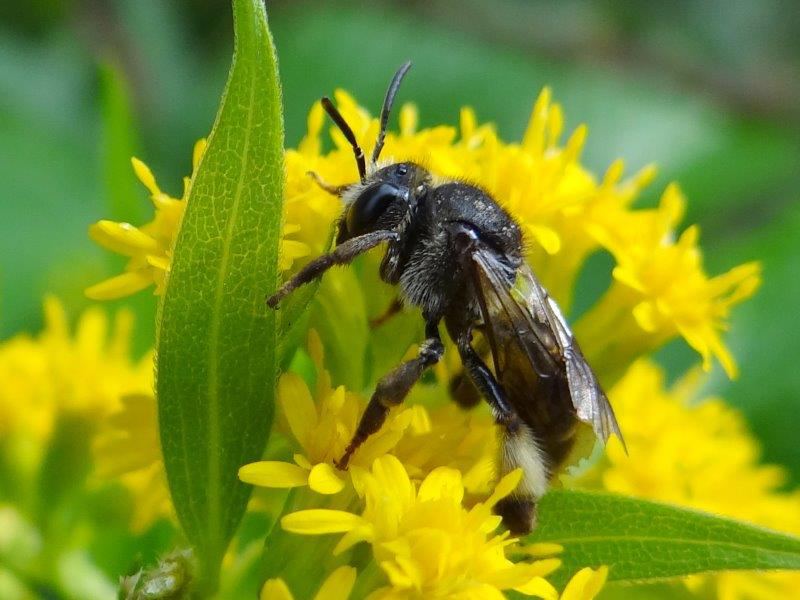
column 368, row 580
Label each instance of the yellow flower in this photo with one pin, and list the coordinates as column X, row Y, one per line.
column 88, row 374
column 427, row 544
column 698, row 454
column 149, row 247
column 127, row 449
column 337, row 586
column 452, row 437
column 322, row 427
column 660, row 288
column 82, row 373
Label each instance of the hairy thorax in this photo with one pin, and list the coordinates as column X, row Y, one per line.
column 433, row 274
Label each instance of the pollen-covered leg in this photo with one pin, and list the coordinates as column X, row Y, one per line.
column 341, row 255
column 392, row 389
column 517, row 450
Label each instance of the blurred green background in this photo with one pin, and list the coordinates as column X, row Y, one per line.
column 710, row 91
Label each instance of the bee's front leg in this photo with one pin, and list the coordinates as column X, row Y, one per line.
column 392, row 389
column 342, row 254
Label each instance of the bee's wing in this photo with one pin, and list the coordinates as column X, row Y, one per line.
column 521, row 318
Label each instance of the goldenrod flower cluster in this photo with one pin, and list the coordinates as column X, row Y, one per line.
column 82, row 373
column 419, row 493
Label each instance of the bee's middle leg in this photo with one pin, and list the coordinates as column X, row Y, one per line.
column 393, row 388
column 394, row 308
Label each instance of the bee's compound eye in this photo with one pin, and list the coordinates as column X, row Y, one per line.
column 369, row 206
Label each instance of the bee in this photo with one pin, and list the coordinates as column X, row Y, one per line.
column 457, row 255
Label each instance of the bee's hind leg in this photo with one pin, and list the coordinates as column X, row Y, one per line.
column 393, row 388
column 518, row 447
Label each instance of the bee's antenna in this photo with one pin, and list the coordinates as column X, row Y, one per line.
column 348, row 133
column 387, row 107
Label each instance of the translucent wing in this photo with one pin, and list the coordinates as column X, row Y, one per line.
column 528, row 333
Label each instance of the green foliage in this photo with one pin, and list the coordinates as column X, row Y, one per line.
column 217, row 339
column 123, row 196
column 643, row 541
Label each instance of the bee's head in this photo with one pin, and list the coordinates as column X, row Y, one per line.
column 385, row 197
column 383, row 201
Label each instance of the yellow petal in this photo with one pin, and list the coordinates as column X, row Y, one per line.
column 315, row 350
column 289, row 229
column 614, row 173
column 275, row 589
column 420, row 420
column 302, row 461
column 323, row 479
column 519, row 576
column 467, row 123
column 145, row 175
column 646, row 316
column 158, row 262
column 533, row 139
column 442, row 482
column 504, row 487
column 291, row 249
column 541, row 549
column 575, row 144
column 555, row 124
column 409, row 119
column 55, row 317
column 198, row 151
column 295, row 400
column 546, row 237
column 540, row 588
column 274, row 474
column 320, row 520
column 310, row 144
column 338, row 585
column 119, row 286
column 351, row 538
column 585, row 584
column 122, row 238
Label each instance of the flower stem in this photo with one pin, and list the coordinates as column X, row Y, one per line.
column 368, row 580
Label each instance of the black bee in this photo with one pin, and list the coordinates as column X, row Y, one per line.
column 458, row 256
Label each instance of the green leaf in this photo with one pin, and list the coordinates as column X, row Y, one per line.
column 124, row 196
column 641, row 540
column 216, row 346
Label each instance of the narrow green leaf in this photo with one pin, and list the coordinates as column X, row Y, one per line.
column 217, row 339
column 646, row 541
column 126, row 199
